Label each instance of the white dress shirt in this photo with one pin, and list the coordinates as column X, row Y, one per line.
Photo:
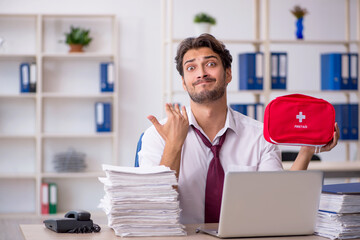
column 244, row 149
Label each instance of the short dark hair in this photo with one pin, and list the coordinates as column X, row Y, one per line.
column 204, row 40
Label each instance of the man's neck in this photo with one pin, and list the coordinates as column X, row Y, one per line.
column 211, row 117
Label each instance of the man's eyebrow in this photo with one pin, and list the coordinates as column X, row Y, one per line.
column 206, row 57
column 211, row 56
column 191, row 60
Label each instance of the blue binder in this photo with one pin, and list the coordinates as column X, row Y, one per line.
column 107, row 77
column 24, row 77
column 336, row 71
column 33, row 78
column 241, row 108
column 338, row 114
column 342, row 188
column 354, row 70
column 253, row 110
column 342, row 117
column 345, row 122
column 251, row 71
column 354, row 121
column 278, row 70
column 103, row 117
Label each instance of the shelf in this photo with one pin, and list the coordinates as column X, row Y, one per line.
column 84, row 55
column 315, row 42
column 9, row 136
column 73, row 175
column 61, row 114
column 17, row 176
column 69, row 135
column 279, row 91
column 226, row 41
column 78, row 16
column 78, row 95
column 19, row 95
column 276, row 41
column 330, row 166
column 6, row 56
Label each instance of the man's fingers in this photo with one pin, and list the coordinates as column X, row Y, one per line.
column 168, row 109
column 177, row 109
column 154, row 121
column 333, row 141
column 184, row 113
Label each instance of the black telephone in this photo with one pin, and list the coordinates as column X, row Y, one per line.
column 74, row 222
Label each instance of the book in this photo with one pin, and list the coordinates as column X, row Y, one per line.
column 103, row 116
column 33, row 78
column 354, row 70
column 354, row 121
column 44, row 198
column 339, row 71
column 107, row 76
column 25, row 77
column 52, row 198
column 278, row 70
column 253, row 110
column 346, row 115
column 251, row 70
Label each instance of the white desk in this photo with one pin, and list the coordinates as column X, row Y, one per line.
column 40, row 232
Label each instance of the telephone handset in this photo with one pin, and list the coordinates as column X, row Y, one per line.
column 74, row 222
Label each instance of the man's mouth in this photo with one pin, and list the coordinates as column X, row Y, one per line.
column 205, row 80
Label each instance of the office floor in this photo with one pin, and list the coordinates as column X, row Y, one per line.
column 10, row 229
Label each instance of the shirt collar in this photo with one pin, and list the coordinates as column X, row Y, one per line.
column 229, row 122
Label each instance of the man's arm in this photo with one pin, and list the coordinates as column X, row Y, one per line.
column 304, row 157
column 174, row 132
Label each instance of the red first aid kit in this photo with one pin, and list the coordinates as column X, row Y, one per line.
column 298, row 119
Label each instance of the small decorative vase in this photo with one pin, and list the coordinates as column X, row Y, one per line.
column 201, row 28
column 299, row 28
column 76, row 48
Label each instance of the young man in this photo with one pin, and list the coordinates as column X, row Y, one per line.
column 208, row 138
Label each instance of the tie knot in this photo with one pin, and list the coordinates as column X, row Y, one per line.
column 215, row 150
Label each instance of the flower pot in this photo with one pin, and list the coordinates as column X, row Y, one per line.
column 76, row 48
column 201, row 28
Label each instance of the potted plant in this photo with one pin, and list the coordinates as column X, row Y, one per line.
column 77, row 38
column 299, row 13
column 203, row 23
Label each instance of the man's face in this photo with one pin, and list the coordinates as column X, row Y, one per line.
column 204, row 76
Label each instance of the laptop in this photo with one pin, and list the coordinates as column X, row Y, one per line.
column 282, row 203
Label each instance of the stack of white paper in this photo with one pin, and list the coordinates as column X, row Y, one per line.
column 141, row 201
column 339, row 216
column 338, row 225
column 340, row 203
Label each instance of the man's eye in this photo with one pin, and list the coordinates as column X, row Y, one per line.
column 211, row 64
column 190, row 68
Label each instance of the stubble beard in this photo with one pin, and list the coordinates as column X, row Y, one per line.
column 208, row 96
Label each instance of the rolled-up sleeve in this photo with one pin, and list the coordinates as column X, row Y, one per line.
column 270, row 159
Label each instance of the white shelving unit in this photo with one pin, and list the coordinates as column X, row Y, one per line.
column 60, row 115
column 262, row 41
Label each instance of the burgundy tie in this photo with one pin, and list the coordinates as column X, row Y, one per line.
column 214, row 180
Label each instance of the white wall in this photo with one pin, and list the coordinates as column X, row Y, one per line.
column 140, row 45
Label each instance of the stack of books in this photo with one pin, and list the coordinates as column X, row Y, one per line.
column 339, row 211
column 141, row 201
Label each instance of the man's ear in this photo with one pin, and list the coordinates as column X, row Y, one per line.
column 183, row 83
column 228, row 75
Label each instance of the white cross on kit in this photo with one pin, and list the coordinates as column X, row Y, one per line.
column 300, row 117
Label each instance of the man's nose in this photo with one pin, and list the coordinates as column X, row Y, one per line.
column 202, row 72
